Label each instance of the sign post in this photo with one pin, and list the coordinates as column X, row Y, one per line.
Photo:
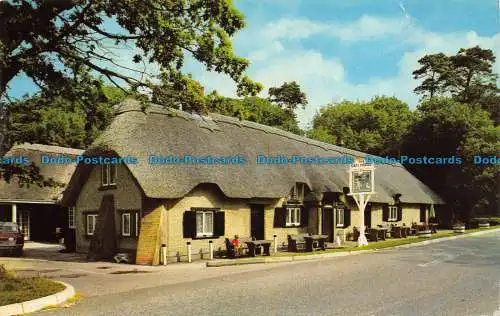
column 362, row 186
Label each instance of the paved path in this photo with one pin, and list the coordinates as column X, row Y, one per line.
column 458, row 277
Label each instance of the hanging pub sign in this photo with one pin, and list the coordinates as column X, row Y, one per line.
column 361, row 178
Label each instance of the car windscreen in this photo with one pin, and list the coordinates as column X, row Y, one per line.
column 8, row 227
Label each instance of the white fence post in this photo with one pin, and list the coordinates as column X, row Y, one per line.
column 189, row 251
column 164, row 254
column 211, row 249
column 275, row 240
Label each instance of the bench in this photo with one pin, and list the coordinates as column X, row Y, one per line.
column 296, row 241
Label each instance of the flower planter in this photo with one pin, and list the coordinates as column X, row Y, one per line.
column 459, row 229
column 425, row 233
column 484, row 225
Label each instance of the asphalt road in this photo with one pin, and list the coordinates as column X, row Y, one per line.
column 458, row 277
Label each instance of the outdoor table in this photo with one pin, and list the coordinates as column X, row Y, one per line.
column 262, row 245
column 382, row 232
column 315, row 241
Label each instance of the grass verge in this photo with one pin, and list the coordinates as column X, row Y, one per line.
column 15, row 289
column 385, row 243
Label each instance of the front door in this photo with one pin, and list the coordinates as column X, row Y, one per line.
column 327, row 223
column 368, row 216
column 257, row 221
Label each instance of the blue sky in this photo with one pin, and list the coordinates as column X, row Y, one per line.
column 347, row 49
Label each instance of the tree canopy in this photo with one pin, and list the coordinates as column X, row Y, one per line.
column 288, row 95
column 376, row 127
column 467, row 76
column 445, row 127
column 46, row 39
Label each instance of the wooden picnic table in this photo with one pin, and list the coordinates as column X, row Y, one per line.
column 315, row 242
column 259, row 247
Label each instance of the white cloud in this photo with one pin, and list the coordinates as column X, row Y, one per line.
column 365, row 28
column 323, row 79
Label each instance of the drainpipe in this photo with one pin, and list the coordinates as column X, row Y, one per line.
column 320, row 220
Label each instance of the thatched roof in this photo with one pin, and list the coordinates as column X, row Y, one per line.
column 61, row 173
column 166, row 132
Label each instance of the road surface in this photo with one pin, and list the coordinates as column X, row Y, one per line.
column 457, row 277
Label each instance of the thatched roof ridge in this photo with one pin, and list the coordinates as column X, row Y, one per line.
column 159, row 131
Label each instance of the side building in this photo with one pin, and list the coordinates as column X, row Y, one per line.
column 37, row 209
column 172, row 203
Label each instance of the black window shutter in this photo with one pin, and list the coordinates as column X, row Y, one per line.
column 279, row 217
column 219, row 219
column 400, row 212
column 304, row 216
column 189, row 224
column 347, row 217
column 423, row 208
column 385, row 213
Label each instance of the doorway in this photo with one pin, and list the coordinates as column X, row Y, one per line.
column 257, row 221
column 327, row 223
column 368, row 216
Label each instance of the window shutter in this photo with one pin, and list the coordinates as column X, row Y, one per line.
column 219, row 221
column 400, row 212
column 279, row 217
column 385, row 213
column 304, row 216
column 347, row 217
column 189, row 224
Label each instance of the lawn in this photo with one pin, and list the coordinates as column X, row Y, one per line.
column 15, row 289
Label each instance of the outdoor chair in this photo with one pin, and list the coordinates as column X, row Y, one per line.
column 355, row 234
column 373, row 234
column 231, row 253
column 396, row 232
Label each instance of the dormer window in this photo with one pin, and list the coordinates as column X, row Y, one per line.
column 108, row 175
column 297, row 192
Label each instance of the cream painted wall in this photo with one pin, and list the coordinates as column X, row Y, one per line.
column 127, row 195
column 237, row 220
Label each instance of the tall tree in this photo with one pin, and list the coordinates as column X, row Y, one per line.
column 376, row 127
column 288, row 96
column 447, row 128
column 44, row 39
column 434, row 71
column 466, row 76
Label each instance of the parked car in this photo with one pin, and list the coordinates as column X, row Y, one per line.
column 11, row 239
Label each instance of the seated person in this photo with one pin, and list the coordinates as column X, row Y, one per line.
column 237, row 245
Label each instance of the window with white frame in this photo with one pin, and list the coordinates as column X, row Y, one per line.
column 339, row 217
column 297, row 192
column 91, row 223
column 108, row 175
column 204, row 223
column 293, row 216
column 393, row 213
column 126, row 224
column 71, row 217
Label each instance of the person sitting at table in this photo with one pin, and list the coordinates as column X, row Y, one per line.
column 237, row 245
